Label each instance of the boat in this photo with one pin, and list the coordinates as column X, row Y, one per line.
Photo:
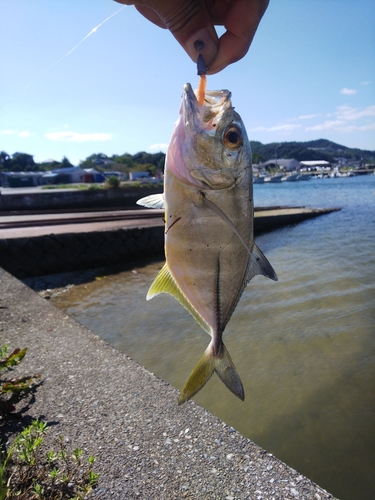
column 290, row 177
column 273, row 178
column 303, row 177
column 258, row 180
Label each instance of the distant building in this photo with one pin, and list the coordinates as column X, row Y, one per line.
column 104, row 162
column 20, row 179
column 49, row 161
column 64, row 175
column 315, row 165
column 342, row 160
column 138, row 175
column 284, row 164
column 92, row 175
column 120, row 175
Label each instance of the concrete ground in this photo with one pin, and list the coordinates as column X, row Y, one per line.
column 147, row 447
column 34, row 225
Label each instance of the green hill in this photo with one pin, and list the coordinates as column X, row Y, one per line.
column 320, row 149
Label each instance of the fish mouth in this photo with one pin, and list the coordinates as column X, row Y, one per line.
column 205, row 117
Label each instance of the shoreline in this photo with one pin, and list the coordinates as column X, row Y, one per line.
column 146, row 445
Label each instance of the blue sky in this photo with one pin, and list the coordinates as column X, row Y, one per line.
column 309, row 74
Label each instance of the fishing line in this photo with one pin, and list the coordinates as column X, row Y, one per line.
column 63, row 57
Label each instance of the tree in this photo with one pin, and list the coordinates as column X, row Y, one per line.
column 65, row 163
column 257, row 158
column 153, row 158
column 22, row 162
column 97, row 156
column 4, row 160
column 88, row 163
column 161, row 163
column 125, row 159
column 49, row 165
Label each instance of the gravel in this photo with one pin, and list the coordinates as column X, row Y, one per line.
column 147, row 447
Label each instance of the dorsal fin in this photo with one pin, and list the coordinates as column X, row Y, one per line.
column 165, row 283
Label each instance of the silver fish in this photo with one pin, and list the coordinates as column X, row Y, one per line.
column 209, row 217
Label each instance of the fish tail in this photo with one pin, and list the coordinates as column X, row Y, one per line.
column 222, row 364
column 228, row 374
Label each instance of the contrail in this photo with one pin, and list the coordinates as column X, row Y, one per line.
column 63, row 57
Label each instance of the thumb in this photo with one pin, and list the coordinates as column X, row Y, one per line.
column 189, row 22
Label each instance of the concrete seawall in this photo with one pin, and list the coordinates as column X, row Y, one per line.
column 58, row 253
column 39, row 199
column 147, row 447
column 40, row 250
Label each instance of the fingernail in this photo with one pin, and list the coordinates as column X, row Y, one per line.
column 199, row 45
column 203, row 43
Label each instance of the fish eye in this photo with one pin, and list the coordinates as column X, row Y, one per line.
column 232, row 137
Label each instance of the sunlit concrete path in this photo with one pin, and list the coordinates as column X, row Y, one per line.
column 146, row 445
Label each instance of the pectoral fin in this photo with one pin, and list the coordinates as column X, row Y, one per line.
column 152, row 201
column 165, row 283
column 258, row 263
column 214, row 208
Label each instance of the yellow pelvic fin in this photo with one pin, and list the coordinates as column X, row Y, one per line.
column 209, row 363
column 165, row 283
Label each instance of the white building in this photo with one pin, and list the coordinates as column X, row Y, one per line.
column 315, row 165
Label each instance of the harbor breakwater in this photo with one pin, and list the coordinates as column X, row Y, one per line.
column 41, row 251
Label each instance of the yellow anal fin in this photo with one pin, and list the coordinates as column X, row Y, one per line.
column 209, row 363
column 165, row 283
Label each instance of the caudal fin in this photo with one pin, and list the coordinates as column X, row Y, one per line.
column 209, row 363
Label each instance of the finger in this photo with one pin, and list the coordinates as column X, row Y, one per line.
column 151, row 15
column 241, row 23
column 146, row 12
column 190, row 23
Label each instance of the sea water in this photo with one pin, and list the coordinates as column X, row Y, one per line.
column 304, row 346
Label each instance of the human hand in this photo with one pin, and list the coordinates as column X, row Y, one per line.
column 192, row 23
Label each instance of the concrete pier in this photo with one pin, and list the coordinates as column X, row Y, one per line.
column 40, row 244
column 146, row 446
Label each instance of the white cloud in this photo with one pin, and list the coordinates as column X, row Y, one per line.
column 348, row 113
column 365, row 83
column 347, row 120
column 344, row 119
column 76, row 137
column 286, row 127
column 158, row 146
column 347, row 91
column 309, row 117
column 340, row 126
column 24, row 133
column 327, row 125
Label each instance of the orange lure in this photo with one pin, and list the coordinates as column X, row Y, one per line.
column 201, row 89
